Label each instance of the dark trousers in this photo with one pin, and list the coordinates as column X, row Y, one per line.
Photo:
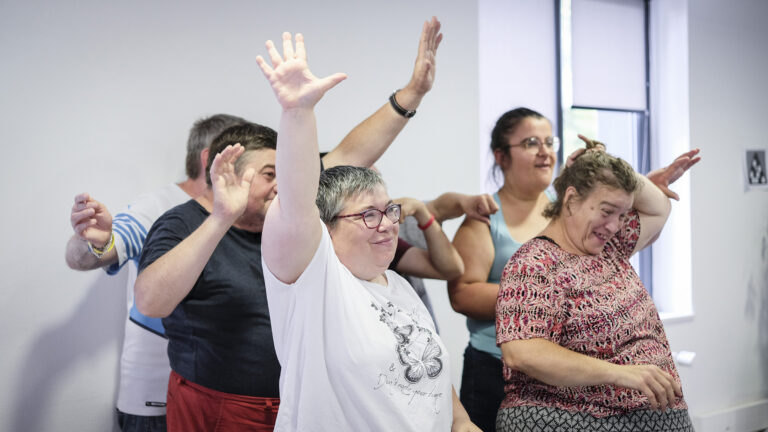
column 137, row 423
column 482, row 387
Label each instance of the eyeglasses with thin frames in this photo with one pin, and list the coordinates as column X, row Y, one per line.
column 372, row 217
column 533, row 144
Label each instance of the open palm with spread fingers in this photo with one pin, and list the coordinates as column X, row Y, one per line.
column 291, row 80
column 230, row 191
column 663, row 177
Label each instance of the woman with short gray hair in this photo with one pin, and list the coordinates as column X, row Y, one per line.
column 357, row 348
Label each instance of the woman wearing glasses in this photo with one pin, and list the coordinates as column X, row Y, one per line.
column 357, row 348
column 524, row 150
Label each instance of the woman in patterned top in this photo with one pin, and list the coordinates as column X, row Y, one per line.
column 582, row 343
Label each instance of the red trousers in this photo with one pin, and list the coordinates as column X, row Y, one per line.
column 192, row 407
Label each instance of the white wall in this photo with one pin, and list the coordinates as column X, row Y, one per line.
column 99, row 97
column 729, row 332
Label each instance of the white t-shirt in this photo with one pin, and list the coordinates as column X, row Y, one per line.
column 144, row 366
column 356, row 356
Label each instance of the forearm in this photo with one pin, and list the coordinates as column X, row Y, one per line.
column 555, row 365
column 365, row 144
column 476, row 300
column 446, row 206
column 163, row 284
column 443, row 256
column 78, row 257
column 460, row 414
column 297, row 165
column 650, row 200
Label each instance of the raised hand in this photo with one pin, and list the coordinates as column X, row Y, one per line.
column 424, row 68
column 291, row 80
column 479, row 207
column 230, row 191
column 663, row 177
column 91, row 220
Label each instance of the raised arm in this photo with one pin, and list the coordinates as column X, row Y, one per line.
column 440, row 260
column 652, row 199
column 291, row 229
column 162, row 285
column 471, row 294
column 370, row 139
column 92, row 224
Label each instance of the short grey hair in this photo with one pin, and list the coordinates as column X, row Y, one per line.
column 202, row 134
column 340, row 183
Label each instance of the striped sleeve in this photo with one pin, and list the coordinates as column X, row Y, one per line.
column 130, row 234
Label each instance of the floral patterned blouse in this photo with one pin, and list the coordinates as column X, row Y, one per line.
column 595, row 305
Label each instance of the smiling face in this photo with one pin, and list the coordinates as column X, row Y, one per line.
column 366, row 252
column 590, row 222
column 263, row 186
column 526, row 169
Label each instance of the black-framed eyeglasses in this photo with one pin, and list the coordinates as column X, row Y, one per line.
column 533, row 144
column 372, row 217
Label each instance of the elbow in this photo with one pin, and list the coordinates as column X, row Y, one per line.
column 513, row 355
column 455, row 271
column 145, row 303
column 457, row 298
column 71, row 263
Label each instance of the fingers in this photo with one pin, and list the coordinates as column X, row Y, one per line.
column 274, row 56
column 82, row 217
column 81, row 227
column 575, row 155
column 669, row 192
column 288, row 53
column 430, row 35
column 82, row 198
column 586, row 140
column 330, row 81
column 223, row 163
column 266, row 69
column 301, row 50
column 245, row 182
column 492, row 206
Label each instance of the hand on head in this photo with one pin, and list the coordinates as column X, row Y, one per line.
column 591, row 145
column 291, row 80
column 91, row 220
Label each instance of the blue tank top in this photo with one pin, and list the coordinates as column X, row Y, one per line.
column 482, row 333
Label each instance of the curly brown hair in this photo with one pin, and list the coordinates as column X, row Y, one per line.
column 586, row 173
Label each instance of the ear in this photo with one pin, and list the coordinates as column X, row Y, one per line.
column 501, row 157
column 570, row 195
column 204, row 160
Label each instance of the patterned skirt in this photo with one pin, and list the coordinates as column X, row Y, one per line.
column 541, row 419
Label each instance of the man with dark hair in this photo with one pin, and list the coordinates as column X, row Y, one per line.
column 103, row 242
